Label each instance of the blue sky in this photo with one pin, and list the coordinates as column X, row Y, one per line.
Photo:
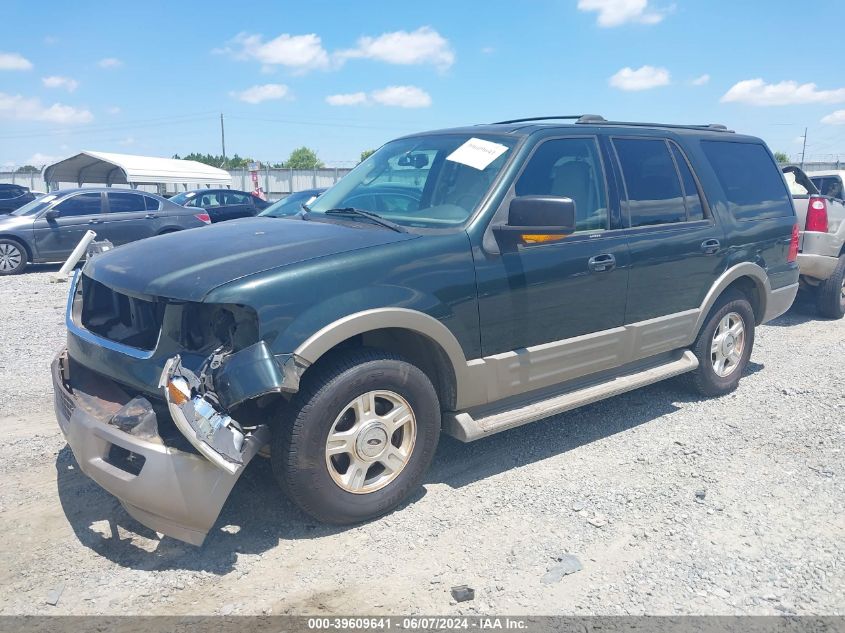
column 152, row 78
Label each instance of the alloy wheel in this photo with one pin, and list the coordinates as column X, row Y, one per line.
column 371, row 441
column 10, row 257
column 728, row 344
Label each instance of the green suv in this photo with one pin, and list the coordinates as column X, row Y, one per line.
column 463, row 281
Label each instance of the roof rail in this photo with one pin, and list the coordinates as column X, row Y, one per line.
column 716, row 127
column 595, row 119
column 578, row 118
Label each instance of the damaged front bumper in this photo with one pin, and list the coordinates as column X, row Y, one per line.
column 115, row 441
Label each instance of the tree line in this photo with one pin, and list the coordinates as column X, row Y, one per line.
column 300, row 158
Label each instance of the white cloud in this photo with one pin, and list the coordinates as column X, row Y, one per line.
column 423, row 46
column 402, row 97
column 349, row 99
column 835, row 118
column 110, row 62
column 298, row 52
column 54, row 81
column 14, row 61
column 700, row 81
column 394, row 96
column 265, row 92
column 617, row 12
column 129, row 140
column 758, row 93
column 488, row 50
column 39, row 160
column 113, row 110
column 643, row 78
column 19, row 108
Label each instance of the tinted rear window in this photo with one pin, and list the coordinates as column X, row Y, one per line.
column 752, row 182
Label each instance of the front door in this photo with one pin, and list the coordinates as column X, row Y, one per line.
column 544, row 306
column 55, row 238
column 677, row 250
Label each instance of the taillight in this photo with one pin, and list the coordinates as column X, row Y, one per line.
column 793, row 245
column 817, row 215
column 203, row 217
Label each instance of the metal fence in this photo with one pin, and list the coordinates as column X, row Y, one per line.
column 276, row 183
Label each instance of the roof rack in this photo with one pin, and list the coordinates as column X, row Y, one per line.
column 578, row 118
column 587, row 119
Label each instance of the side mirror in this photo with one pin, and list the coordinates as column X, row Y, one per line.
column 537, row 219
column 52, row 214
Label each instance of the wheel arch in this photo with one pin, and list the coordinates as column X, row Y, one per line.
column 749, row 279
column 420, row 338
column 18, row 240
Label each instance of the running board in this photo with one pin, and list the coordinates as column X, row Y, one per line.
column 464, row 427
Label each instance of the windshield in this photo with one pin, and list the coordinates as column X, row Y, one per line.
column 291, row 205
column 183, row 198
column 36, row 206
column 432, row 181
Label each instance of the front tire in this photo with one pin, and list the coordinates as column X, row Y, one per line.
column 830, row 295
column 724, row 345
column 13, row 257
column 357, row 438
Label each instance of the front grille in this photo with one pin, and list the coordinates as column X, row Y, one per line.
column 119, row 317
column 66, row 403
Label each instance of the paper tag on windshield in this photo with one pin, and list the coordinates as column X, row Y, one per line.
column 477, row 153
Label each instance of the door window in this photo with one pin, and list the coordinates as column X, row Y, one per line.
column 126, row 203
column 151, row 203
column 82, row 204
column 207, row 200
column 651, row 182
column 235, row 197
column 569, row 168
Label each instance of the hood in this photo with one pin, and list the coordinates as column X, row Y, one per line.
column 10, row 222
column 187, row 265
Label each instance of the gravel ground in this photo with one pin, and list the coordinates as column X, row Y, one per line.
column 670, row 503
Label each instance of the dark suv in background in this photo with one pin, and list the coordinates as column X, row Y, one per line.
column 13, row 197
column 222, row 204
column 48, row 228
column 542, row 266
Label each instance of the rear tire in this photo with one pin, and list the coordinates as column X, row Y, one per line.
column 830, row 295
column 724, row 345
column 13, row 258
column 357, row 438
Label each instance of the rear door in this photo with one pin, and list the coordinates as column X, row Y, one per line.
column 238, row 204
column 677, row 249
column 212, row 203
column 55, row 238
column 127, row 218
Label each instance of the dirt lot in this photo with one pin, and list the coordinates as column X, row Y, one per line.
column 672, row 504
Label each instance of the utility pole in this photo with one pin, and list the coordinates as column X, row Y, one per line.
column 802, row 149
column 223, row 138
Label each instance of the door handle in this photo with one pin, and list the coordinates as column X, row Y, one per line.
column 602, row 263
column 150, row 216
column 710, row 247
column 95, row 221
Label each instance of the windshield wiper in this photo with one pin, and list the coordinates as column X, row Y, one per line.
column 374, row 217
